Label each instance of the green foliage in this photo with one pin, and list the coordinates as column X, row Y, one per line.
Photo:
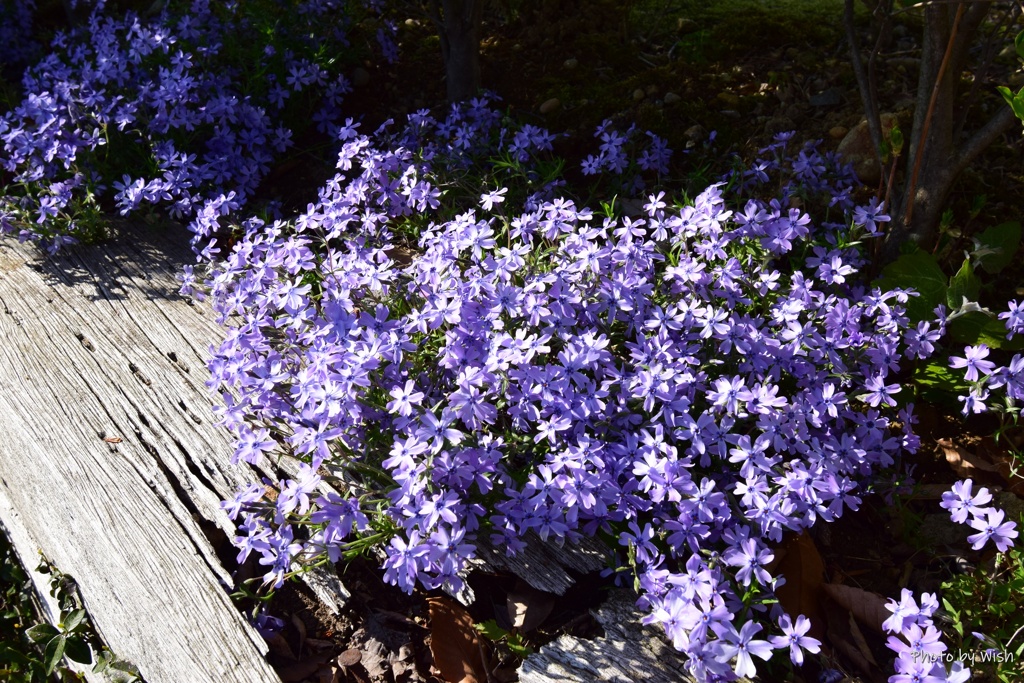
column 1016, row 101
column 36, row 653
column 993, row 250
column 963, row 287
column 920, row 271
column 513, row 640
column 985, row 619
column 996, row 247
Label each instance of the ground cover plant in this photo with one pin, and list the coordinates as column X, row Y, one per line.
column 469, row 349
column 185, row 110
column 656, row 380
column 32, row 650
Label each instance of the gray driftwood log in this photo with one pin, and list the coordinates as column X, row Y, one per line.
column 110, row 462
column 628, row 652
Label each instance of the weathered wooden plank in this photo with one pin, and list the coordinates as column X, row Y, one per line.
column 110, row 455
column 628, row 652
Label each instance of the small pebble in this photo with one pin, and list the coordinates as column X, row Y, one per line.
column 838, row 132
column 571, row 64
column 672, row 98
column 550, row 105
column 638, row 94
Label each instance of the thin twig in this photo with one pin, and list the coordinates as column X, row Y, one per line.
column 988, row 58
column 883, row 33
column 867, row 97
column 919, row 156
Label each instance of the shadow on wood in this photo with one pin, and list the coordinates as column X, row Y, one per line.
column 110, row 459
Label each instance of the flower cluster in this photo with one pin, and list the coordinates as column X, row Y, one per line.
column 917, row 643
column 166, row 110
column 987, row 377
column 690, row 382
column 615, row 156
column 967, row 507
column 17, row 48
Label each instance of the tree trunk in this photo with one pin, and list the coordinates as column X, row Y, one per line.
column 460, row 46
column 935, row 154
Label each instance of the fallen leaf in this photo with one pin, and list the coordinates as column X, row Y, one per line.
column 989, row 464
column 528, row 607
column 859, row 641
column 841, row 625
column 801, row 564
column 868, row 608
column 454, row 643
column 279, row 646
column 300, row 626
column 318, row 644
column 963, row 462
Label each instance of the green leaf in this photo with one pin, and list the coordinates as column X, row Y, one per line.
column 970, row 328
column 103, row 661
column 73, row 620
column 896, row 136
column 993, row 335
column 491, row 630
column 965, row 285
column 1018, row 43
column 41, row 632
column 1016, row 102
column 518, row 647
column 53, row 653
column 917, row 270
column 1001, row 243
column 77, row 650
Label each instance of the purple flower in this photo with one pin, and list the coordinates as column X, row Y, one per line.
column 795, row 638
column 961, row 502
column 489, row 200
column 1014, row 317
column 974, row 361
column 868, row 217
column 879, row 392
column 404, row 399
column 904, row 612
column 990, row 526
column 742, row 646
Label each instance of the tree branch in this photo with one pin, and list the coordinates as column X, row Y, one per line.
column 863, row 85
column 985, row 136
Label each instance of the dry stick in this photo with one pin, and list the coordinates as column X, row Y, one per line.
column 911, row 187
column 988, row 58
column 883, row 31
column 867, row 97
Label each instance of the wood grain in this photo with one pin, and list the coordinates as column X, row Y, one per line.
column 109, row 456
column 628, row 652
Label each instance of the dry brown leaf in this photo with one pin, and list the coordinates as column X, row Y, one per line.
column 841, row 638
column 859, row 641
column 456, row 645
column 1008, row 469
column 528, row 607
column 800, row 563
column 300, row 626
column 868, row 608
column 851, row 652
column 964, row 462
column 279, row 646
